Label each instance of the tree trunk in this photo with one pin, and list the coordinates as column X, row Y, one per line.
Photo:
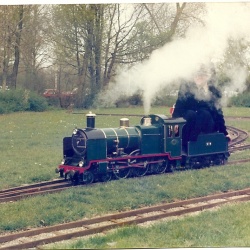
column 6, row 59
column 17, row 47
column 179, row 11
column 98, row 43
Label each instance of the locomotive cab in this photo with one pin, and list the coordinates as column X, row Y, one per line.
column 173, row 142
column 160, row 134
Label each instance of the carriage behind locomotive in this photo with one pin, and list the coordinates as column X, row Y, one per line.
column 153, row 146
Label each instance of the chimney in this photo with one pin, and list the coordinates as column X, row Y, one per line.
column 90, row 120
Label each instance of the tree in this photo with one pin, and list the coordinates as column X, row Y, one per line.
column 121, row 21
column 78, row 46
column 7, row 35
column 159, row 24
column 92, row 41
column 134, row 35
column 23, row 39
column 17, row 34
column 35, row 45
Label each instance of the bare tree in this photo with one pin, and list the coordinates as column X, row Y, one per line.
column 17, row 44
column 92, row 40
column 79, row 45
column 7, row 35
column 119, row 29
column 35, row 45
column 158, row 25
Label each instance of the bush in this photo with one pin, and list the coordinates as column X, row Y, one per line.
column 164, row 100
column 21, row 100
column 241, row 100
column 12, row 101
column 37, row 103
column 127, row 101
column 136, row 100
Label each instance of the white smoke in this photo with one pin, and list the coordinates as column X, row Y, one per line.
column 182, row 57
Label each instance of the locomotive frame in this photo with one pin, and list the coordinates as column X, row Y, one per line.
column 153, row 146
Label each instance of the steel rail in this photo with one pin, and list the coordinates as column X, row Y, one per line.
column 32, row 190
column 241, row 135
column 17, row 193
column 41, row 236
column 40, row 184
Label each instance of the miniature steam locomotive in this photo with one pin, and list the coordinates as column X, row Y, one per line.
column 154, row 146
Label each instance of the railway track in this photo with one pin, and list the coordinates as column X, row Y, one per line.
column 238, row 137
column 35, row 237
column 17, row 193
column 56, row 186
column 40, row 236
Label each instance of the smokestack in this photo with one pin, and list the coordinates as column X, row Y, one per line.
column 90, row 120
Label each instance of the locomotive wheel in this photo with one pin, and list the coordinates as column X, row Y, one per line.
column 220, row 160
column 171, row 167
column 106, row 177
column 121, row 173
column 206, row 162
column 139, row 171
column 66, row 177
column 160, row 168
column 195, row 163
column 61, row 173
column 75, row 178
column 87, row 177
column 192, row 163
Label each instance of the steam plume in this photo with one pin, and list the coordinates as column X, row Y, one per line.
column 182, row 57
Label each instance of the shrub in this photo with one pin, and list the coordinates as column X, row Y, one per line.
column 126, row 101
column 241, row 100
column 164, row 100
column 21, row 100
column 53, row 101
column 37, row 103
column 13, row 100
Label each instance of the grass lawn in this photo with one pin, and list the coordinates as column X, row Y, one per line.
column 31, row 148
column 227, row 226
column 31, row 143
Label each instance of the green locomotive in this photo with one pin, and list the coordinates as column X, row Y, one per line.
column 154, row 146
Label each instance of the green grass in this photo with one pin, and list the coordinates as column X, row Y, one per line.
column 236, row 111
column 227, row 226
column 31, row 143
column 114, row 196
column 31, row 148
column 228, row 111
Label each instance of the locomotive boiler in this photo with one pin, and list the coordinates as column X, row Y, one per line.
column 153, row 146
